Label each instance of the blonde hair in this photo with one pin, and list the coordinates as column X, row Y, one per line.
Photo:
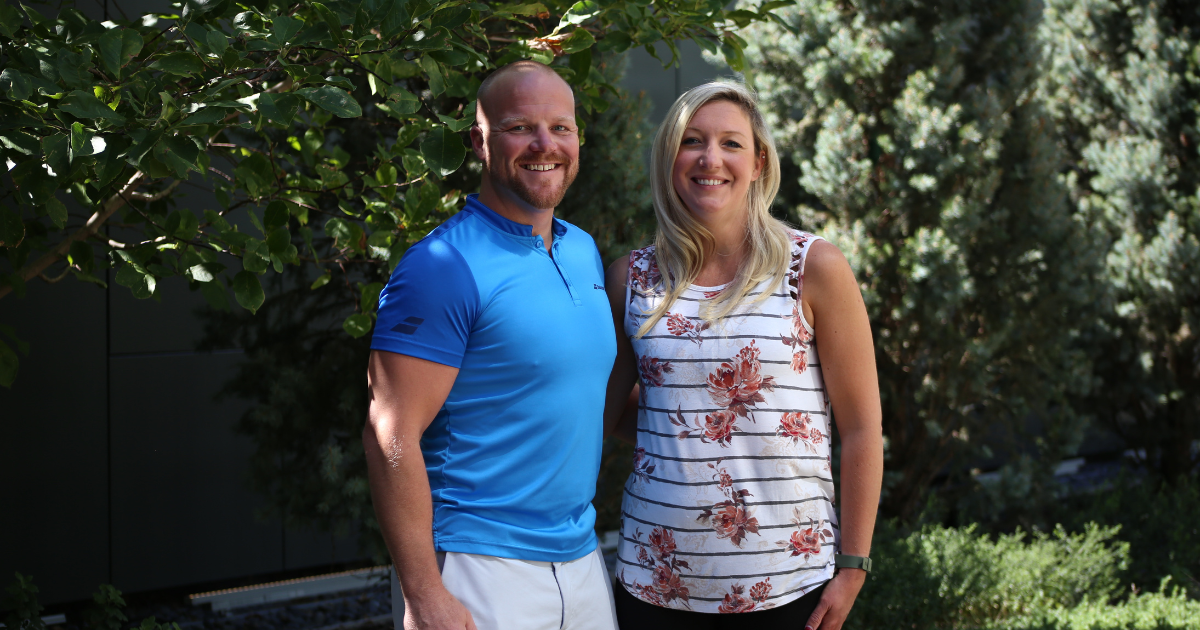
column 682, row 242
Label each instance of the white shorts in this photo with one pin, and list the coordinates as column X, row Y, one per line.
column 507, row 594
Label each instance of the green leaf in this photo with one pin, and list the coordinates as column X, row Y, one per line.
column 283, row 28
column 357, row 325
column 256, row 256
column 335, row 24
column 15, row 84
column 248, row 291
column 331, row 99
column 72, row 67
column 117, row 47
column 452, row 58
column 276, row 216
column 616, row 41
column 57, row 149
column 12, row 229
column 217, row 42
column 81, row 255
column 83, row 104
column 10, row 20
column 206, row 116
column 179, row 153
column 322, row 281
column 256, row 174
column 57, row 212
column 189, row 224
column 443, row 151
column 458, row 125
column 579, row 13
column 20, row 142
column 280, row 108
column 370, row 296
column 580, row 40
column 581, row 65
column 278, row 241
column 437, row 80
column 183, row 64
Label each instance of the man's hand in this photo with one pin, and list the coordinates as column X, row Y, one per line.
column 837, row 599
column 436, row 611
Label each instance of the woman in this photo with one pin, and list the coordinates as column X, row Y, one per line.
column 730, row 507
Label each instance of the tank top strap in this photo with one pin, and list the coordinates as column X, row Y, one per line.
column 801, row 242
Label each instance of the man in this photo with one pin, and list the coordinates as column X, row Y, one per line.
column 487, row 378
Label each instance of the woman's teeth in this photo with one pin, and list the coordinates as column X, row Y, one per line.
column 710, row 182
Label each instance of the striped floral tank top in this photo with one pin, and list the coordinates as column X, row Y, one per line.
column 730, row 505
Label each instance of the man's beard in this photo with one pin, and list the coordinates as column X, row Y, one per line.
column 542, row 199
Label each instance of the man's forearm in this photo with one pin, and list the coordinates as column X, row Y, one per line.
column 861, row 477
column 404, row 507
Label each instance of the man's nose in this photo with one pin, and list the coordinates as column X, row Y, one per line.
column 543, row 141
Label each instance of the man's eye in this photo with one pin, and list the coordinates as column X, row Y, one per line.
column 519, row 128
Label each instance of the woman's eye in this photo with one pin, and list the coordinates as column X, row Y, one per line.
column 733, row 144
column 691, row 141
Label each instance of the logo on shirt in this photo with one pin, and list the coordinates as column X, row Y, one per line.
column 596, row 286
column 409, row 325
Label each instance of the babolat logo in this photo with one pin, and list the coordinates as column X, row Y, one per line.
column 409, row 325
column 596, row 286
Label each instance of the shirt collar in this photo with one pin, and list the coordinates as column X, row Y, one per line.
column 506, row 225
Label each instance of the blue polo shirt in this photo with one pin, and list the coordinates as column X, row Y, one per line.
column 513, row 454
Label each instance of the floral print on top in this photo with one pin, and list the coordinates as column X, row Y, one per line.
column 731, row 471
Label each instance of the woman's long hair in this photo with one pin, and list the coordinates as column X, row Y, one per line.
column 682, row 242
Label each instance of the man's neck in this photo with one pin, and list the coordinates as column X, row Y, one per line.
column 513, row 208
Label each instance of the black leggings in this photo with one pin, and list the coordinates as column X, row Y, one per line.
column 635, row 614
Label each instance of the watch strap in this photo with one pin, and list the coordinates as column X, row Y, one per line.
column 842, row 561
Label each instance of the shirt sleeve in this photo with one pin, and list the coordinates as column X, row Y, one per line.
column 429, row 306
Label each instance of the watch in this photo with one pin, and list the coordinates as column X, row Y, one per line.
column 842, row 561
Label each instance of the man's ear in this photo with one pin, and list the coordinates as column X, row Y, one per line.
column 479, row 143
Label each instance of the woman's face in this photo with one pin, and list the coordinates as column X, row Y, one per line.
column 716, row 163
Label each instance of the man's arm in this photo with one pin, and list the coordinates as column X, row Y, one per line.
column 834, row 306
column 620, row 403
column 405, row 395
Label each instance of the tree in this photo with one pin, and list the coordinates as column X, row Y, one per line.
column 249, row 98
column 1122, row 81
column 916, row 148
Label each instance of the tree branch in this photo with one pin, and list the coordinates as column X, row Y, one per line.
column 114, row 203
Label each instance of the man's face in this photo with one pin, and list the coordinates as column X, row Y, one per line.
column 527, row 137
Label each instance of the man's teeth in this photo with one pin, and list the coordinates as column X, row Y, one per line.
column 710, row 182
column 538, row 167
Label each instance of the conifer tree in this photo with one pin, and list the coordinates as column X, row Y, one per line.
column 1122, row 81
column 915, row 146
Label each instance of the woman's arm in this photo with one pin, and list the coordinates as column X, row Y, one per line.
column 834, row 306
column 622, row 380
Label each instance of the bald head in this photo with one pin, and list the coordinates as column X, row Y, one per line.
column 526, row 136
column 500, row 84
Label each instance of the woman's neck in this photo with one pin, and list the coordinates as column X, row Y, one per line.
column 721, row 264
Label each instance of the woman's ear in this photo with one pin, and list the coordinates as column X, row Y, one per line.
column 759, row 164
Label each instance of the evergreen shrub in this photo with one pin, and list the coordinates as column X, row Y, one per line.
column 939, row 577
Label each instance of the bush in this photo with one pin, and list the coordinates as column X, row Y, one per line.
column 1149, row 611
column 941, row 577
column 1161, row 523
